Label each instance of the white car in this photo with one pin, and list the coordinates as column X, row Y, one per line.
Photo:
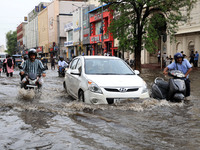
column 103, row 80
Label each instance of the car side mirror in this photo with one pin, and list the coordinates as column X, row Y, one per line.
column 76, row 72
column 137, row 72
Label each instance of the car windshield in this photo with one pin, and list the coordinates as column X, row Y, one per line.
column 107, row 67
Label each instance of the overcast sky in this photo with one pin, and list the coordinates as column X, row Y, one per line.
column 12, row 13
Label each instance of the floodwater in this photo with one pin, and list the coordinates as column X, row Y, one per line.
column 53, row 120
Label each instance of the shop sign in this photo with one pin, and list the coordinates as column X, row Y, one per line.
column 97, row 17
column 77, row 29
column 75, row 43
column 68, row 26
column 68, row 43
column 85, row 35
column 95, row 39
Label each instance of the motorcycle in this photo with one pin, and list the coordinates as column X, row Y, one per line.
column 173, row 90
column 61, row 71
column 31, row 82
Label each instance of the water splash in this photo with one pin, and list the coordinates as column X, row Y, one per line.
column 26, row 94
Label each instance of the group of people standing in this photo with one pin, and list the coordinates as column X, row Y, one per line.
column 194, row 57
column 7, row 66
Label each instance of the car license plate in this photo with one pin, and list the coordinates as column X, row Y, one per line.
column 119, row 100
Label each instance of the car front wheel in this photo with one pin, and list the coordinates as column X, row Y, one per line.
column 81, row 97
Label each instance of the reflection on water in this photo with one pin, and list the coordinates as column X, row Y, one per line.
column 54, row 120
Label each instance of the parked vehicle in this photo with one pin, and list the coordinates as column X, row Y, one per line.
column 17, row 59
column 173, row 90
column 3, row 56
column 103, row 80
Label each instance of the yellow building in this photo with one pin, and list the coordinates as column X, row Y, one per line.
column 43, row 32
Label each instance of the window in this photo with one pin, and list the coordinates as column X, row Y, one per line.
column 97, row 28
column 70, row 35
column 73, row 65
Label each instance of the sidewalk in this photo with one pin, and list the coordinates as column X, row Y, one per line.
column 151, row 66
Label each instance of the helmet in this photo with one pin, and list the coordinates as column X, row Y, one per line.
column 32, row 51
column 61, row 58
column 178, row 55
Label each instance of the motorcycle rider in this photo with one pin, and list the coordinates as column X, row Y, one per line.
column 32, row 65
column 183, row 65
column 61, row 64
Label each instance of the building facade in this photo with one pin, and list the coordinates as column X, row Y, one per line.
column 20, row 37
column 59, row 14
column 43, row 34
column 31, row 29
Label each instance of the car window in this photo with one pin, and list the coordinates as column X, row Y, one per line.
column 107, row 67
column 73, row 64
column 78, row 66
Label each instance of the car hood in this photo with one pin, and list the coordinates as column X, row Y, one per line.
column 116, row 80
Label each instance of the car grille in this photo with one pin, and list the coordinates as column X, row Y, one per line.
column 110, row 100
column 121, row 89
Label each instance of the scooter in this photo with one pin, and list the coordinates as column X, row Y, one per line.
column 32, row 82
column 173, row 90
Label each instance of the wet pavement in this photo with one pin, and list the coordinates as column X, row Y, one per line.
column 54, row 120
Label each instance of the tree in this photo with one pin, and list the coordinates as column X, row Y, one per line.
column 11, row 43
column 137, row 23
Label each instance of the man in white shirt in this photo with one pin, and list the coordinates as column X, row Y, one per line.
column 62, row 64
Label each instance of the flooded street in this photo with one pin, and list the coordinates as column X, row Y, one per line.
column 53, row 120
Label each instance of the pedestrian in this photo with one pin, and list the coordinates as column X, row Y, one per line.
column 164, row 56
column 170, row 58
column 167, row 61
column 1, row 66
column 158, row 56
column 192, row 58
column 9, row 66
column 4, row 66
column 196, row 58
column 184, row 56
column 184, row 66
column 52, row 63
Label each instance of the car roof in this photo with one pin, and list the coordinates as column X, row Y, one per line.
column 100, row 57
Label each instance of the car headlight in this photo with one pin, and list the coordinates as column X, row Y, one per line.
column 144, row 87
column 93, row 87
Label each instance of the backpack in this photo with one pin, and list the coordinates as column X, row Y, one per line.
column 9, row 62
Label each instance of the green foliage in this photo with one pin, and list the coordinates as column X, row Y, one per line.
column 140, row 23
column 11, row 43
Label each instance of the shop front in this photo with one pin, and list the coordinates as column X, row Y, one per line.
column 101, row 39
column 69, row 49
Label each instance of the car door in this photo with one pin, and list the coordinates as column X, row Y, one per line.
column 76, row 78
column 70, row 78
